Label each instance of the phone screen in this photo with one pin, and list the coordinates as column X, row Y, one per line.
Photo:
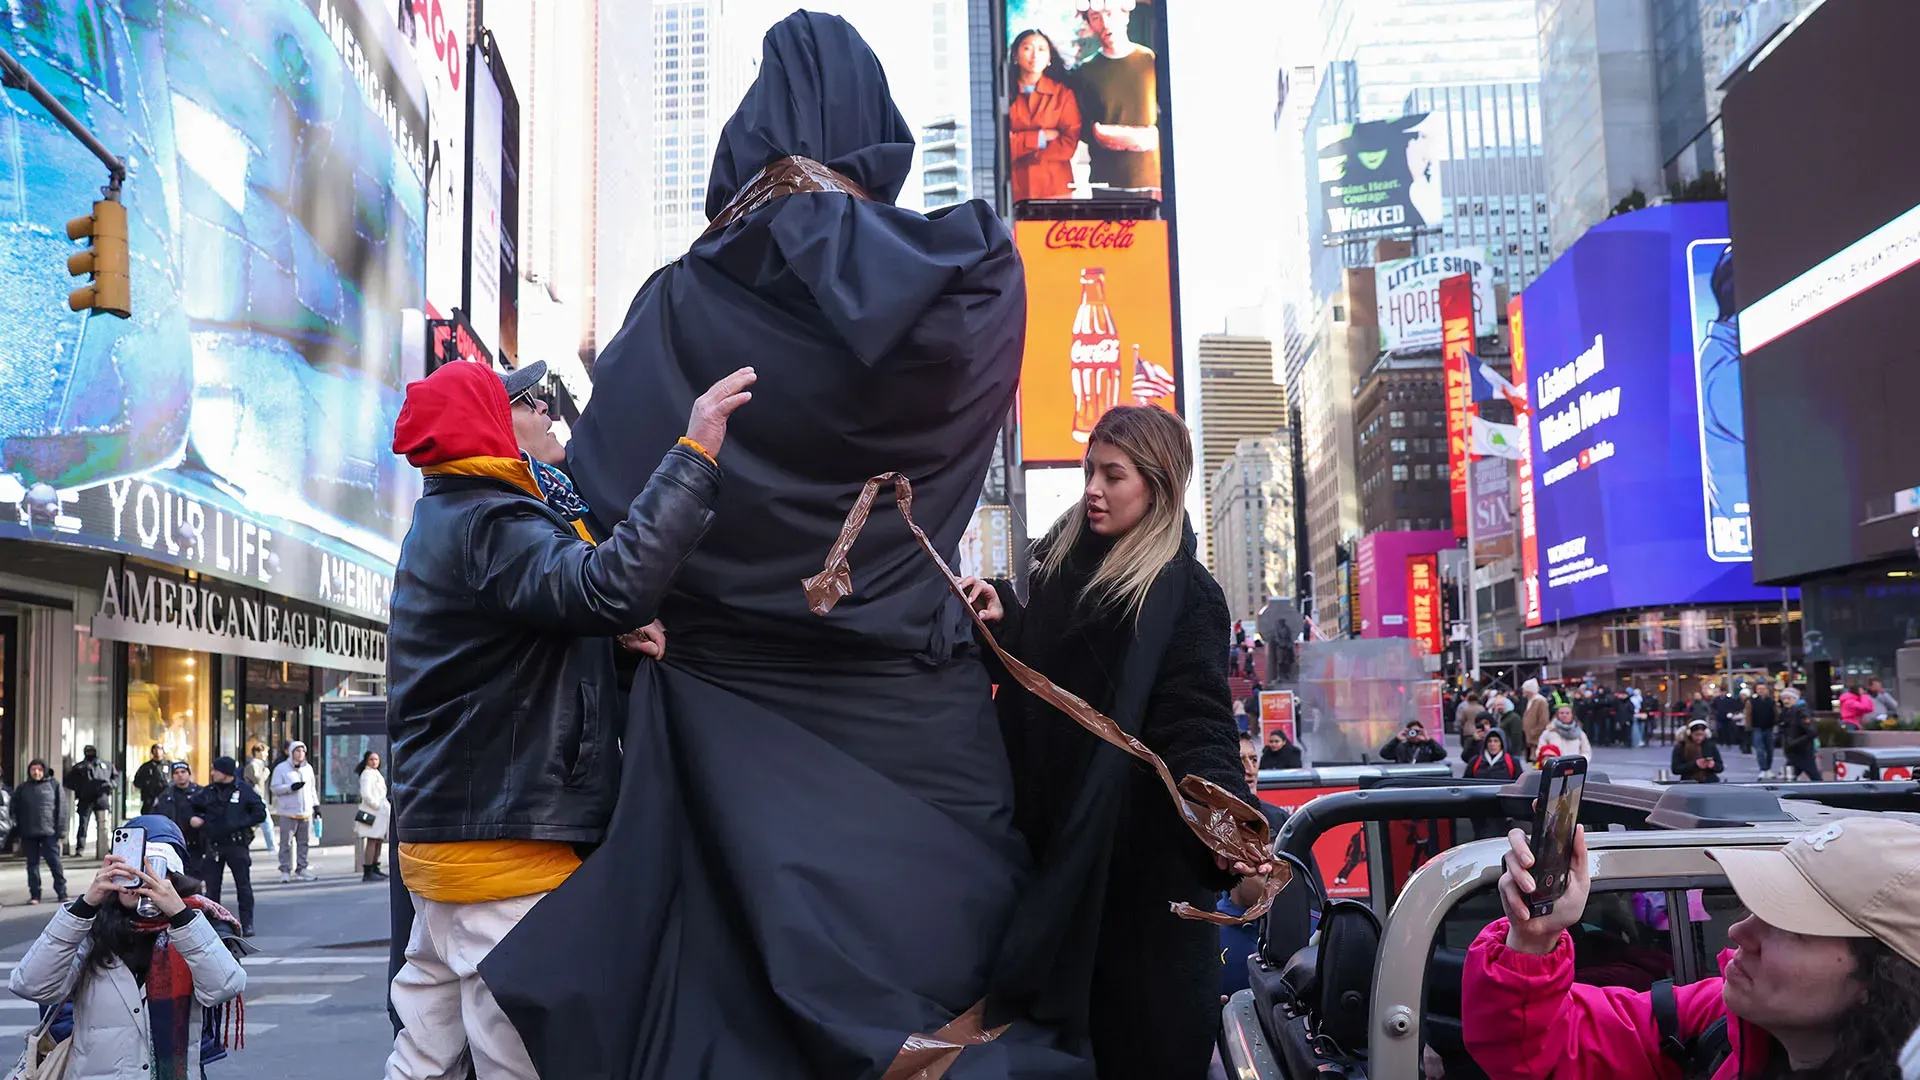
column 1559, row 812
column 130, row 844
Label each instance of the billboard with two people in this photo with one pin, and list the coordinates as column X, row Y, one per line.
column 1083, row 89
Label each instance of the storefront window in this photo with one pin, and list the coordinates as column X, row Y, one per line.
column 168, row 692
column 278, row 702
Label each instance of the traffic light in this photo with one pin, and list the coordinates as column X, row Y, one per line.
column 106, row 228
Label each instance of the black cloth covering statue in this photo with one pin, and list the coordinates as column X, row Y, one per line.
column 813, row 857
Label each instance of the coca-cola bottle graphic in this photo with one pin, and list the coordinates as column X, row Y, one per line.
column 1094, row 363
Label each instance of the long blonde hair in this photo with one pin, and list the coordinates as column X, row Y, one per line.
column 1161, row 450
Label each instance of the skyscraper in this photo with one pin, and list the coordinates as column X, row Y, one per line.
column 1494, row 175
column 1398, row 46
column 1239, row 398
column 699, row 75
column 1251, row 518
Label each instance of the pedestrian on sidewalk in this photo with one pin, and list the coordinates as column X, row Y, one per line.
column 1534, row 721
column 1799, row 741
column 143, row 988
column 226, row 812
column 256, row 777
column 506, row 607
column 1762, row 715
column 91, row 780
column 176, row 805
column 150, row 780
column 370, row 818
column 1564, row 737
column 295, row 797
column 40, row 815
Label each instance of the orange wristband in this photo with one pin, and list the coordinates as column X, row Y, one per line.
column 701, row 450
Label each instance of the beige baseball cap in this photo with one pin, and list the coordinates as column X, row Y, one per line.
column 1854, row 877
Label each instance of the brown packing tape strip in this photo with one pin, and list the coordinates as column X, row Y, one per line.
column 928, row 1057
column 787, row 176
column 1231, row 829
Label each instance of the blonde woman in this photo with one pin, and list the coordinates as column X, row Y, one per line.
column 1124, row 615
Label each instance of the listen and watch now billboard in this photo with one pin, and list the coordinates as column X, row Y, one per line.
column 1099, row 330
column 1634, row 467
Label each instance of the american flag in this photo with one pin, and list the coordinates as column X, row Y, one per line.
column 1151, row 382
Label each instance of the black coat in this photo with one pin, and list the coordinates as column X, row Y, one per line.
column 1685, row 768
column 1797, row 733
column 1103, row 832
column 150, row 779
column 1409, row 752
column 1503, row 768
column 38, row 809
column 503, row 705
column 1287, row 757
column 230, row 811
column 91, row 781
column 176, row 804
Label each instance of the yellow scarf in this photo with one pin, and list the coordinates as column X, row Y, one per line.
column 512, row 470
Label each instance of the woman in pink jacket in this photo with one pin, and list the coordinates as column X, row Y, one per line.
column 1855, row 706
column 1824, row 982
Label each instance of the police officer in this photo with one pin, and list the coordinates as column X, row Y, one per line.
column 176, row 804
column 226, row 813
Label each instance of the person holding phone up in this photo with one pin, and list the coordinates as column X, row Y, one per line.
column 1824, row 979
column 1696, row 758
column 1412, row 746
column 140, row 985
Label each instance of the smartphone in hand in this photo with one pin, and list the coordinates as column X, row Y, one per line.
column 1556, row 811
column 130, row 845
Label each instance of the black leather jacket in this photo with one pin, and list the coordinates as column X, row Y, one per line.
column 230, row 812
column 502, row 707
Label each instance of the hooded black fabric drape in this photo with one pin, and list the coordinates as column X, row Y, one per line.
column 813, row 855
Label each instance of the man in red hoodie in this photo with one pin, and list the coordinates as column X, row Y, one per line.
column 503, row 706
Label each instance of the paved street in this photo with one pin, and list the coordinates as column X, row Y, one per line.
column 316, row 994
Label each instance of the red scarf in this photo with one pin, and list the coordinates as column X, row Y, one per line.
column 170, row 996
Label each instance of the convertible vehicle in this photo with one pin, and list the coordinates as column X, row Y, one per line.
column 1350, row 989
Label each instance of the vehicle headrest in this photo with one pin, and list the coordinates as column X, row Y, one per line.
column 1288, row 925
column 1349, row 945
column 1301, row 978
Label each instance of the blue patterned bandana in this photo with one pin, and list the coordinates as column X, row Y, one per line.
column 557, row 488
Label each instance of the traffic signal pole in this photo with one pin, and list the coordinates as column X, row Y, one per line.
column 15, row 77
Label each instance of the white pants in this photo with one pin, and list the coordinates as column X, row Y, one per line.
column 445, row 1009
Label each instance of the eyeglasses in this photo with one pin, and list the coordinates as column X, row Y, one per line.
column 525, row 397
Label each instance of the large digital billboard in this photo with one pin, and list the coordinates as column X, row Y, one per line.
column 1630, row 506
column 239, row 423
column 1083, row 91
column 1826, row 229
column 1383, row 175
column 1099, row 330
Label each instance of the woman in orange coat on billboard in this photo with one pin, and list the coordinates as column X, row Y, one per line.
column 1044, row 119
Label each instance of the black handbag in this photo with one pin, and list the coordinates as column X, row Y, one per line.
column 363, row 817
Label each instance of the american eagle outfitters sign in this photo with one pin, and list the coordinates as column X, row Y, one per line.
column 208, row 616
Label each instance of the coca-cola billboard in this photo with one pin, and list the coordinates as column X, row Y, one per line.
column 1099, row 330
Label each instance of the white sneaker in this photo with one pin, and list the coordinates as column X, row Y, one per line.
column 285, row 877
column 306, row 875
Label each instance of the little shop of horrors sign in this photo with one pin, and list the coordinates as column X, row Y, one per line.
column 145, row 608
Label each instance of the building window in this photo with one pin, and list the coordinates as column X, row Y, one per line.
column 1398, row 446
column 1423, row 472
column 1443, row 471
column 1399, row 472
column 1397, row 419
column 168, row 702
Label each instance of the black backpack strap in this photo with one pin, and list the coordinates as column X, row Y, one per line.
column 1666, row 1019
column 1697, row 1057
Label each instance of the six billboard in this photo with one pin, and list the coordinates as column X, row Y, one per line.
column 239, row 423
column 1408, row 297
column 1099, row 330
column 1612, row 341
column 1382, row 176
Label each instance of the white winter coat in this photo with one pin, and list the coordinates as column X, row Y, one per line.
column 112, row 1036
column 373, row 799
column 288, row 802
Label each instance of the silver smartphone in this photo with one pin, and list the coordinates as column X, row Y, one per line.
column 130, row 844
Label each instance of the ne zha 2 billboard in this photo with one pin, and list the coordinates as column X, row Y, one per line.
column 1099, row 330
